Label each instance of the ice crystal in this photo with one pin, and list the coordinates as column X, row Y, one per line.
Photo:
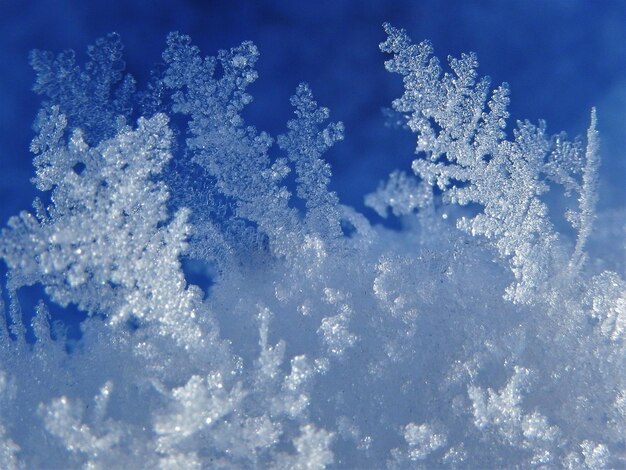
column 317, row 339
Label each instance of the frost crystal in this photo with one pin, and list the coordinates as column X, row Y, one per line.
column 468, row 157
column 104, row 243
column 314, row 338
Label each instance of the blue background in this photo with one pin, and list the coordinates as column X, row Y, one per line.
column 559, row 57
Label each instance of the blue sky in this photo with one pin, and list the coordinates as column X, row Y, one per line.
column 559, row 57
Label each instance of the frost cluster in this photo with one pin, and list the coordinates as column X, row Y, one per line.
column 476, row 336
